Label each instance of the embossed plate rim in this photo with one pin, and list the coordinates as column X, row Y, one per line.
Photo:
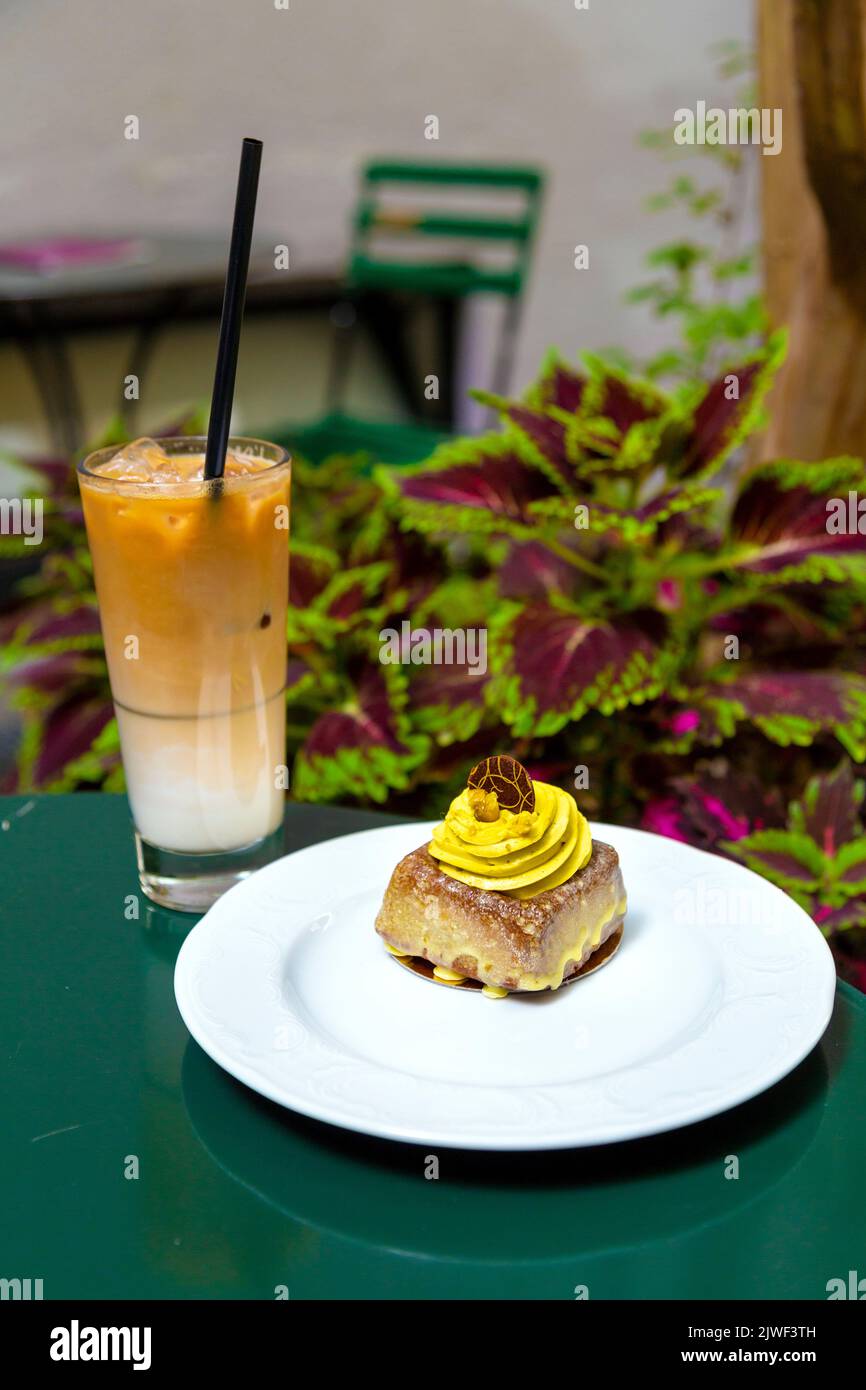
column 317, row 1078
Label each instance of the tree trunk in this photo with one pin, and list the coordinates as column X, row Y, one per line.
column 814, row 216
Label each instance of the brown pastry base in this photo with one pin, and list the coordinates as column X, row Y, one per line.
column 498, row 940
column 424, row 968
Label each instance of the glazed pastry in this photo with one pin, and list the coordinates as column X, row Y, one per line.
column 511, row 890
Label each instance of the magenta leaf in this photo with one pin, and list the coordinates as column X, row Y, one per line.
column 790, row 707
column 663, row 816
column 712, row 810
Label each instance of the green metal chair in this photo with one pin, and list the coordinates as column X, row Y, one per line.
column 383, row 291
column 380, row 287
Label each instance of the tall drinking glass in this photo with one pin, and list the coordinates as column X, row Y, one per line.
column 192, row 583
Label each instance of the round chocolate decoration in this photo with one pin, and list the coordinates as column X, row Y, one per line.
column 507, row 779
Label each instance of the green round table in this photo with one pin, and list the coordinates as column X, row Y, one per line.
column 132, row 1167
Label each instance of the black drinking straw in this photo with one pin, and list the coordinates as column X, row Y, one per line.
column 233, row 310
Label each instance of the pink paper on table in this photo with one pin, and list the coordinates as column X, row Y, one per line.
column 64, row 253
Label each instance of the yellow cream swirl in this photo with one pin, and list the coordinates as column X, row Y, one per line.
column 521, row 853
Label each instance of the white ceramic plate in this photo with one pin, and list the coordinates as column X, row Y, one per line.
column 721, row 986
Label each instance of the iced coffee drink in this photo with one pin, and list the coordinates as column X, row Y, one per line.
column 192, row 584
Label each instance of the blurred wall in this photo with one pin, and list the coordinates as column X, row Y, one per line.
column 326, row 84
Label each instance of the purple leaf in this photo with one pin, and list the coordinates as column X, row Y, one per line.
column 448, row 701
column 69, row 731
column 559, row 665
column 561, row 387
column 788, row 706
column 650, row 515
column 532, row 571
column 499, row 485
column 80, row 622
column 851, row 914
column 782, row 522
column 830, row 808
column 297, row 674
column 806, row 694
column 416, row 566
column 718, row 422
column 52, row 674
column 309, row 573
column 364, row 748
column 57, row 472
column 546, row 434
column 625, row 405
column 370, row 721
column 346, row 604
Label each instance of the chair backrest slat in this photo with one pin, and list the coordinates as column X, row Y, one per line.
column 491, row 175
column 376, row 217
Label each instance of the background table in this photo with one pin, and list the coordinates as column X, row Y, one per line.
column 165, row 280
column 236, row 1196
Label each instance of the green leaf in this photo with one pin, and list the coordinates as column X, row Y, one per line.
column 849, row 867
column 786, row 857
column 681, row 256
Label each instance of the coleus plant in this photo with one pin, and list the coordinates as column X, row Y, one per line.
column 677, row 627
column 815, row 849
column 819, row 856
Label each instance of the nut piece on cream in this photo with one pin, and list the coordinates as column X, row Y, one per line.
column 484, row 804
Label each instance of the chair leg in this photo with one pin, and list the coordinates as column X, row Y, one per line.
column 344, row 319
column 386, row 317
column 448, row 315
column 505, row 353
column 48, row 358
